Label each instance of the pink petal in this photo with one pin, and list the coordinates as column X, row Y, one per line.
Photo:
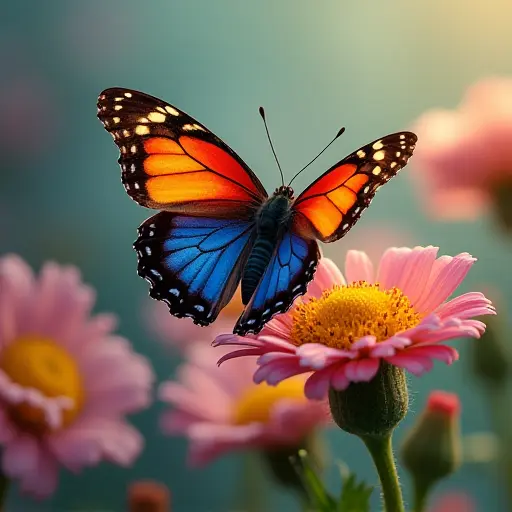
column 339, row 380
column 362, row 370
column 21, row 456
column 317, row 385
column 239, row 353
column 464, row 305
column 16, row 282
column 390, row 266
column 363, row 343
column 358, row 267
column 416, row 272
column 417, row 365
column 317, row 356
column 442, row 353
column 276, row 371
column 42, row 481
column 216, row 408
column 447, row 274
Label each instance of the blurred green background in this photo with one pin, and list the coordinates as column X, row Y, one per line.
column 370, row 66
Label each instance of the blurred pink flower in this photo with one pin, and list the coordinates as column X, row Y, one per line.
column 66, row 382
column 342, row 329
column 181, row 333
column 463, row 155
column 453, row 502
column 221, row 409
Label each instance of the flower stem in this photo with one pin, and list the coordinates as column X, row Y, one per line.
column 421, row 491
column 381, row 450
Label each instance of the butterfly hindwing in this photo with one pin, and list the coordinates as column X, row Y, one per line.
column 194, row 264
column 287, row 275
column 331, row 206
column 171, row 162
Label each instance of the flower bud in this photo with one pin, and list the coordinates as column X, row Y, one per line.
column 374, row 408
column 432, row 448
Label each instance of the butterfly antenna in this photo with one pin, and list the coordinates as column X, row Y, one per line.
column 262, row 114
column 321, row 152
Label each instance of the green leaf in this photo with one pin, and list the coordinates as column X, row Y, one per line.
column 355, row 496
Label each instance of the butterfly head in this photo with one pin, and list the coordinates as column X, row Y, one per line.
column 284, row 190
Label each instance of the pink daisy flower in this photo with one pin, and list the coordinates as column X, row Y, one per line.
column 181, row 333
column 221, row 409
column 464, row 159
column 66, row 382
column 343, row 327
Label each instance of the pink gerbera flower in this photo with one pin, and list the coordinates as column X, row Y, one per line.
column 342, row 328
column 221, row 409
column 463, row 164
column 66, row 382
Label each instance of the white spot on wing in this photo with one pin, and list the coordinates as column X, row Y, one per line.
column 156, row 117
column 141, row 129
column 172, row 110
column 378, row 145
column 379, row 155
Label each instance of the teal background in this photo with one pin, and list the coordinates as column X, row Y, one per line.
column 370, row 66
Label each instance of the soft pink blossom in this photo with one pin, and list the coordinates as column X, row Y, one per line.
column 426, row 280
column 206, row 399
column 463, row 154
column 55, row 308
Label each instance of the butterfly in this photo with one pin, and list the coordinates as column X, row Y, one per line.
column 217, row 227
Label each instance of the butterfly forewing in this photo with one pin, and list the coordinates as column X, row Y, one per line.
column 331, row 206
column 169, row 161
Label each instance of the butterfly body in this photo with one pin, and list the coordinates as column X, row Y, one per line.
column 217, row 227
column 273, row 216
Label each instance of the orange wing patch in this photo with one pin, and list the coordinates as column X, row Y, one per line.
column 336, row 178
column 194, row 186
column 217, row 160
column 162, row 145
column 157, row 165
column 330, row 197
column 323, row 214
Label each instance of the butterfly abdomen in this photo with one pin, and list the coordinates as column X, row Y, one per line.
column 269, row 225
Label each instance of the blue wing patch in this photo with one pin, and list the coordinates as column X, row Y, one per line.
column 194, row 264
column 288, row 273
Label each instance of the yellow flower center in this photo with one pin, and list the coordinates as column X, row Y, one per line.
column 346, row 313
column 256, row 404
column 39, row 363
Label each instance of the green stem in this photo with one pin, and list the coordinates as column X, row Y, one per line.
column 381, row 450
column 421, row 491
